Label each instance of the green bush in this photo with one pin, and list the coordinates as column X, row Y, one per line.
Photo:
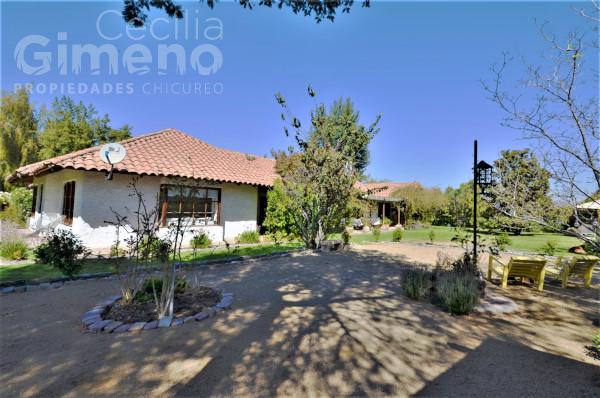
column 13, row 249
column 397, row 235
column 549, row 248
column 416, row 283
column 376, row 233
column 146, row 293
column 596, row 342
column 19, row 206
column 64, row 251
column 386, row 221
column 248, row 237
column 502, row 240
column 201, row 241
column 431, row 236
column 346, row 237
column 458, row 292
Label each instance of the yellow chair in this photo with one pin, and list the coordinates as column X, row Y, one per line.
column 519, row 266
column 582, row 266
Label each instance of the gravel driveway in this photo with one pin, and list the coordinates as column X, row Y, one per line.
column 307, row 325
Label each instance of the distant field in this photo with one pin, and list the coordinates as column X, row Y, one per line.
column 528, row 242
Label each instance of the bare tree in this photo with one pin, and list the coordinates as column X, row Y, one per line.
column 556, row 108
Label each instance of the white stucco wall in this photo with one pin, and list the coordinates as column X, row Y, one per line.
column 95, row 197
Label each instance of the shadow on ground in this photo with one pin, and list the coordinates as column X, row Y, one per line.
column 311, row 324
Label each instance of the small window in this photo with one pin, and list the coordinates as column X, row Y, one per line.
column 68, row 202
column 198, row 206
column 34, row 195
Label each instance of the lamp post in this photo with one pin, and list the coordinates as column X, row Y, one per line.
column 482, row 177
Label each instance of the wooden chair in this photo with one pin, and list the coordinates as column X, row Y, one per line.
column 582, row 266
column 519, row 266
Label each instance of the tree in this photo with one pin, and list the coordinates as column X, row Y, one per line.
column 18, row 134
column 278, row 222
column 71, row 126
column 556, row 107
column 318, row 175
column 521, row 183
column 135, row 11
column 422, row 204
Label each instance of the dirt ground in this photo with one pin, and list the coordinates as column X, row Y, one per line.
column 332, row 324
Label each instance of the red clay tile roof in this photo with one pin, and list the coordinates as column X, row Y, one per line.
column 166, row 153
column 382, row 190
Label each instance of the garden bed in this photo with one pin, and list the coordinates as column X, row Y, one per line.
column 185, row 304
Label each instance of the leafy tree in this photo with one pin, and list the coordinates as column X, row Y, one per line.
column 18, row 133
column 71, row 126
column 522, row 183
column 422, row 204
column 135, row 11
column 318, row 175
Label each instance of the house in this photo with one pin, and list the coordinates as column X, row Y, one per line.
column 225, row 191
column 386, row 204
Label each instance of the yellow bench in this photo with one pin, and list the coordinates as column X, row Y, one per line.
column 519, row 266
column 582, row 266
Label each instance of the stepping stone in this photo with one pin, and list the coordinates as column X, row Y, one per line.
column 98, row 326
column 20, row 289
column 177, row 322
column 211, row 312
column 90, row 320
column 227, row 294
column 115, row 298
column 136, row 327
column 56, row 285
column 93, row 312
column 151, row 325
column 7, row 290
column 31, row 288
column 225, row 302
column 188, row 319
column 217, row 309
column 123, row 328
column 201, row 316
column 112, row 326
column 45, row 285
column 165, row 321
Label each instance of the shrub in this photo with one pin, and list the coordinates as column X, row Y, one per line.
column 397, row 235
column 431, row 236
column 461, row 237
column 386, row 221
column 13, row 249
column 549, row 248
column 146, row 293
column 416, row 283
column 376, row 233
column 346, row 237
column 596, row 342
column 458, row 292
column 502, row 240
column 19, row 205
column 247, row 237
column 64, row 251
column 201, row 241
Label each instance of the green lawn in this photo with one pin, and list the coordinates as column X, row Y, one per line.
column 39, row 272
column 528, row 242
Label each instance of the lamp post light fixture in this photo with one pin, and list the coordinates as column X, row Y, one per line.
column 482, row 177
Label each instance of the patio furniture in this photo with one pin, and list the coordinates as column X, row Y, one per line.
column 519, row 266
column 582, row 266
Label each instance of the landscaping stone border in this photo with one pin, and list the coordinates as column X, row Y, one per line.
column 92, row 320
column 23, row 286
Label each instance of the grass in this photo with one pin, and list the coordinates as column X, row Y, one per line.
column 38, row 272
column 531, row 242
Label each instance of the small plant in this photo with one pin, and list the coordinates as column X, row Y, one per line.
column 458, row 292
column 596, row 342
column 376, row 233
column 13, row 249
column 64, row 251
column 416, row 283
column 397, row 235
column 248, row 237
column 386, row 221
column 431, row 236
column 201, row 240
column 346, row 237
column 549, row 248
column 502, row 240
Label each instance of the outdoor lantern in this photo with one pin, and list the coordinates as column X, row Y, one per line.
column 484, row 175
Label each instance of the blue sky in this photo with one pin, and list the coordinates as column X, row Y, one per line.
column 418, row 64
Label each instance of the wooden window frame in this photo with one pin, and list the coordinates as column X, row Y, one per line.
column 164, row 204
column 68, row 208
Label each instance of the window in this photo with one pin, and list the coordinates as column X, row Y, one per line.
column 199, row 206
column 68, row 201
column 37, row 196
